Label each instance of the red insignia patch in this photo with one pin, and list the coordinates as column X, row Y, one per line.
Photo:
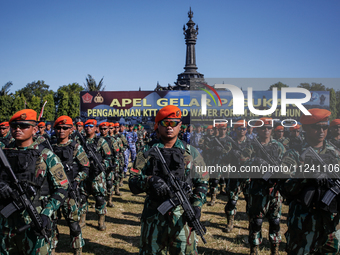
column 134, row 170
column 64, row 182
column 23, row 116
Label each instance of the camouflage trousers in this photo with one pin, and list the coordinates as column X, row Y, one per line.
column 27, row 242
column 72, row 215
column 97, row 187
column 169, row 233
column 266, row 202
column 111, row 177
column 126, row 159
column 235, row 187
column 311, row 231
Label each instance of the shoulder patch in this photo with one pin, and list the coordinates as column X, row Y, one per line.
column 59, row 174
column 83, row 159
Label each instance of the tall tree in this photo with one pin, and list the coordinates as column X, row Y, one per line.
column 278, row 85
column 313, row 87
column 38, row 89
column 18, row 102
column 91, row 84
column 74, row 106
column 63, row 106
column 6, row 102
column 5, row 89
column 35, row 104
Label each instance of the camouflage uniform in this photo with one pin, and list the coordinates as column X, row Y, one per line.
column 69, row 208
column 264, row 197
column 140, row 140
column 335, row 142
column 2, row 145
column 96, row 183
column 311, row 230
column 170, row 232
column 131, row 138
column 6, row 139
column 284, row 141
column 50, row 177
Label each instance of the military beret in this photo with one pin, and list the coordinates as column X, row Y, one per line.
column 168, row 112
column 266, row 121
column 335, row 122
column 63, row 120
column 116, row 124
column 24, row 115
column 104, row 124
column 135, row 127
column 279, row 128
column 91, row 121
column 79, row 123
column 4, row 124
column 241, row 123
column 318, row 115
column 41, row 124
column 295, row 127
column 210, row 127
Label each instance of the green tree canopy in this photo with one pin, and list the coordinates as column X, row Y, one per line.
column 38, row 89
column 63, row 106
column 278, row 85
column 5, row 89
column 18, row 102
column 91, row 84
column 6, row 102
column 49, row 110
column 35, row 104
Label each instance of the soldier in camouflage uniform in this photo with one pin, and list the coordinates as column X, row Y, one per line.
column 2, row 145
column 5, row 135
column 140, row 138
column 334, row 129
column 112, row 173
column 96, row 183
column 237, row 185
column 312, row 227
column 41, row 127
column 279, row 136
column 131, row 137
column 295, row 140
column 76, row 165
column 264, row 198
column 169, row 233
column 40, row 169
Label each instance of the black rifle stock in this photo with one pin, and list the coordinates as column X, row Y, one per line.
column 22, row 200
column 180, row 195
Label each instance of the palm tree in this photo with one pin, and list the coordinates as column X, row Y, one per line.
column 91, row 84
column 5, row 89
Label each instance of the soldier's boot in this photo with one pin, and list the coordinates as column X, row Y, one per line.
column 53, row 251
column 222, row 190
column 121, row 182
column 230, row 225
column 117, row 193
column 213, row 200
column 109, row 202
column 254, row 249
column 77, row 251
column 82, row 222
column 101, row 222
column 274, row 248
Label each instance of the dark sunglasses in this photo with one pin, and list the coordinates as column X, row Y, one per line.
column 241, row 129
column 79, row 125
column 103, row 128
column 89, row 125
column 166, row 123
column 21, row 125
column 111, row 128
column 4, row 128
column 62, row 128
column 265, row 127
column 280, row 131
column 318, row 127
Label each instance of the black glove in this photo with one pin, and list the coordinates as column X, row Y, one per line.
column 158, row 186
column 46, row 223
column 75, row 185
column 197, row 212
column 5, row 190
column 322, row 180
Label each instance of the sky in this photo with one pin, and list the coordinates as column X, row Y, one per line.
column 135, row 44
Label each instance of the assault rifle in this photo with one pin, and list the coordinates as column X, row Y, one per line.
column 21, row 201
column 332, row 144
column 90, row 153
column 269, row 158
column 180, row 198
column 334, row 189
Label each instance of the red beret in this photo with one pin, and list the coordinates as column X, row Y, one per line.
column 24, row 115
column 168, row 112
column 240, row 123
column 104, row 124
column 41, row 124
column 80, row 123
column 91, row 121
column 333, row 123
column 266, row 121
column 279, row 128
column 4, row 124
column 116, row 124
column 318, row 115
column 63, row 120
column 111, row 124
column 210, row 127
column 295, row 127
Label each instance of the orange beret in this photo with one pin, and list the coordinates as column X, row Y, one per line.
column 210, row 127
column 279, row 128
column 24, row 115
column 116, row 124
column 41, row 124
column 240, row 123
column 318, row 115
column 80, row 123
column 220, row 125
column 333, row 123
column 295, row 127
column 168, row 112
column 111, row 124
column 104, row 124
column 63, row 120
column 91, row 121
column 266, row 121
column 4, row 124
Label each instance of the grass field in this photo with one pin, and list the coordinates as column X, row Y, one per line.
column 123, row 229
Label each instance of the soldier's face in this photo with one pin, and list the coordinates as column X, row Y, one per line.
column 295, row 133
column 23, row 131
column 335, row 130
column 121, row 128
column 265, row 131
column 90, row 129
column 210, row 131
column 249, row 130
column 41, row 129
column 63, row 131
column 80, row 128
column 103, row 130
column 241, row 131
column 316, row 132
column 48, row 127
column 169, row 132
column 199, row 129
column 4, row 130
column 279, row 133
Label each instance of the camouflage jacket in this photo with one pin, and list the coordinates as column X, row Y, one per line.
column 192, row 158
column 103, row 149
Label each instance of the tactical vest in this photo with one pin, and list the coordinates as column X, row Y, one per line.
column 23, row 163
column 66, row 155
column 93, row 146
column 272, row 149
column 295, row 143
column 110, row 142
column 6, row 140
